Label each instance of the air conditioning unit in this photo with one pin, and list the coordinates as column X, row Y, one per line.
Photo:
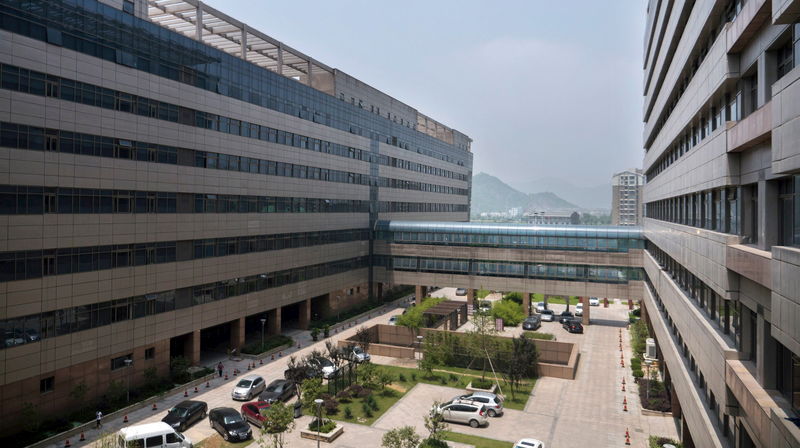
column 650, row 352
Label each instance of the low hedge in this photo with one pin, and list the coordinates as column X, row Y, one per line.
column 537, row 335
column 270, row 342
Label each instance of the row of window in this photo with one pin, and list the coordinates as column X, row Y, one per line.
column 50, row 324
column 29, row 200
column 38, row 83
column 734, row 210
column 566, row 272
column 29, row 137
column 514, row 241
column 107, row 33
column 21, row 265
column 696, row 374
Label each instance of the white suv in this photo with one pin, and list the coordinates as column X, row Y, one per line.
column 579, row 309
column 472, row 414
column 493, row 403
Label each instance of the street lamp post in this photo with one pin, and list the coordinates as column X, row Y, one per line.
column 128, row 363
column 318, row 402
column 263, row 321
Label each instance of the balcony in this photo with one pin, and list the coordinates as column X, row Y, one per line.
column 752, row 130
column 747, row 23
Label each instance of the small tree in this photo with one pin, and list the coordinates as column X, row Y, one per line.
column 384, row 379
column 434, row 423
column 403, row 437
column 368, row 376
column 363, row 337
column 479, row 340
column 522, row 362
column 178, row 369
column 31, row 417
column 310, row 391
column 279, row 422
column 335, row 354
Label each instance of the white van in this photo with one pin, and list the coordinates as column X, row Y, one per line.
column 152, row 435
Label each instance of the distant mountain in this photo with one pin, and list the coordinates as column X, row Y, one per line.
column 591, row 197
column 490, row 194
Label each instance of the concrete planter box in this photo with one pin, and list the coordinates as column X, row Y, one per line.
column 471, row 389
column 326, row 437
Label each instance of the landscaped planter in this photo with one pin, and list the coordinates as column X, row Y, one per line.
column 323, row 436
column 475, row 389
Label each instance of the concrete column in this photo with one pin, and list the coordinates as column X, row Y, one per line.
column 586, row 310
column 274, row 321
column 767, row 75
column 768, row 215
column 244, row 42
column 526, row 303
column 308, row 69
column 198, row 24
column 237, row 333
column 192, row 347
column 280, row 59
column 766, row 367
column 419, row 294
column 471, row 298
column 305, row 314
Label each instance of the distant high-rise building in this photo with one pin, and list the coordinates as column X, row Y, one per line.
column 626, row 198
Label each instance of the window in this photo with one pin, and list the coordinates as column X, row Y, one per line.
column 788, row 375
column 128, row 6
column 118, row 363
column 150, row 353
column 155, row 441
column 785, row 59
column 47, row 384
column 790, row 211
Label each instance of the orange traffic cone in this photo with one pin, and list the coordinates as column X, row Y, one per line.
column 623, row 387
column 226, row 377
column 627, row 437
column 67, row 444
column 273, row 357
column 621, row 363
column 280, row 353
column 83, row 438
column 125, row 419
column 208, row 384
column 623, row 380
column 154, row 407
column 195, row 389
column 625, row 404
column 234, row 372
column 261, row 362
column 186, row 392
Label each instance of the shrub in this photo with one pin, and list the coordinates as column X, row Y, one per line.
column 412, row 317
column 638, row 373
column 359, row 391
column 366, row 409
column 401, row 378
column 345, row 395
column 331, row 405
column 514, row 296
column 537, row 335
column 453, row 378
column 270, row 342
column 658, row 442
column 481, row 383
column 433, row 443
column 348, row 413
column 509, row 311
column 325, row 425
column 442, row 379
column 481, row 293
column 414, row 377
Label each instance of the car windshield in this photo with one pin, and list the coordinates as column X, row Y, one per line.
column 547, row 312
column 358, row 351
column 275, row 387
column 232, row 418
column 324, row 362
column 244, row 383
column 178, row 412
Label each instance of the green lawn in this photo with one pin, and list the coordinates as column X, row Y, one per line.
column 537, row 297
column 459, row 381
column 384, row 399
column 478, row 442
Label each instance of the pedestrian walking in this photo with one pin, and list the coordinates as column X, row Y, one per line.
column 219, row 369
column 98, row 417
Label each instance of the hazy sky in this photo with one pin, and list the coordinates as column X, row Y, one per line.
column 544, row 88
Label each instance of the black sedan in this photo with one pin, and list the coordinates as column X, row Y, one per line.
column 229, row 424
column 532, row 323
column 565, row 316
column 183, row 414
column 278, row 390
column 573, row 326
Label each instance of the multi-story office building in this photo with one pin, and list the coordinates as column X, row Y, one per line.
column 722, row 200
column 169, row 176
column 626, row 198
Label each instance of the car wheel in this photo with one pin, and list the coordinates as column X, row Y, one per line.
column 225, row 436
column 474, row 423
column 492, row 413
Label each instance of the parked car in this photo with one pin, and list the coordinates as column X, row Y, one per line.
column 278, row 390
column 324, row 367
column 565, row 316
column 573, row 326
column 471, row 414
column 594, row 301
column 547, row 315
column 493, row 403
column 31, row 335
column 229, row 424
column 359, row 355
column 157, row 435
column 461, row 291
column 248, row 387
column 540, row 307
column 393, row 319
column 251, row 412
column 185, row 413
column 579, row 309
column 532, row 322
column 529, row 443
column 13, row 339
column 485, row 306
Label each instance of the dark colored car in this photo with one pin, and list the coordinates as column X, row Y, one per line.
column 278, row 390
column 573, row 326
column 229, row 424
column 532, row 323
column 252, row 412
column 185, row 413
column 565, row 316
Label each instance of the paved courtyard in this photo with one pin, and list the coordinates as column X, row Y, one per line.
column 586, row 411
